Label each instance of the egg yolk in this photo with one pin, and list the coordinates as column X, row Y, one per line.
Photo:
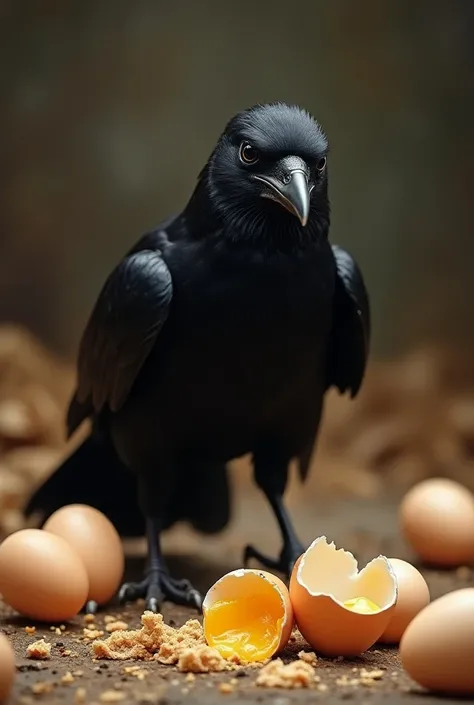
column 361, row 605
column 249, row 629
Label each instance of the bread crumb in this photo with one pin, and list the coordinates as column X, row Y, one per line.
column 77, row 674
column 42, row 687
column 89, row 619
column 369, row 678
column 109, row 618
column 116, row 626
column 92, row 633
column 202, row 659
column 226, row 688
column 346, row 681
column 297, row 674
column 80, row 696
column 67, row 678
column 68, row 652
column 157, row 641
column 308, row 657
column 322, row 687
column 57, row 631
column 190, row 677
column 30, row 630
column 375, row 675
column 112, row 696
column 136, row 671
column 39, row 650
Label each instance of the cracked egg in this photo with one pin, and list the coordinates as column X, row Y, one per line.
column 248, row 615
column 339, row 610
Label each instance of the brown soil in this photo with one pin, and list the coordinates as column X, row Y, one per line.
column 366, row 527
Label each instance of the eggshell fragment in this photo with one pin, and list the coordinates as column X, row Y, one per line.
column 413, row 596
column 437, row 520
column 255, row 619
column 7, row 668
column 41, row 576
column 323, row 579
column 437, row 648
column 97, row 542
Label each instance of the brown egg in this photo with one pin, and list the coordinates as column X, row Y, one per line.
column 248, row 615
column 339, row 610
column 41, row 576
column 7, row 668
column 97, row 542
column 437, row 520
column 413, row 596
column 437, row 648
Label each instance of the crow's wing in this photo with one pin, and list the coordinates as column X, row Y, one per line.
column 124, row 326
column 350, row 335
column 348, row 347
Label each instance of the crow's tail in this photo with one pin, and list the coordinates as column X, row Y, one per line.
column 93, row 475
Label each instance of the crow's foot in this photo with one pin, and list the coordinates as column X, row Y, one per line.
column 284, row 564
column 91, row 607
column 158, row 586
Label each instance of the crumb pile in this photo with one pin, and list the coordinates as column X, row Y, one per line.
column 296, row 674
column 186, row 646
column 39, row 650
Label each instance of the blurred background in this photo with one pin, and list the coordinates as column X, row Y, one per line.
column 110, row 109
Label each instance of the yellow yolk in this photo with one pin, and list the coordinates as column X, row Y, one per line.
column 362, row 605
column 247, row 628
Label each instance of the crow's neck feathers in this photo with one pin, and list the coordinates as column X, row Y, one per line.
column 208, row 214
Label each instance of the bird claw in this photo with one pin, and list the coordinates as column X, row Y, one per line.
column 159, row 586
column 284, row 564
column 91, row 607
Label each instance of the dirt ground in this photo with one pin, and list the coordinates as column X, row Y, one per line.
column 365, row 527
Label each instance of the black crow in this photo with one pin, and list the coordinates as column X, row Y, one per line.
column 217, row 336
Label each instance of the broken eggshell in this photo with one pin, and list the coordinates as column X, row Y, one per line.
column 322, row 580
column 259, row 606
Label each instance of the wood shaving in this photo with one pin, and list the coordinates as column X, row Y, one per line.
column 117, row 626
column 157, row 641
column 39, row 650
column 297, row 674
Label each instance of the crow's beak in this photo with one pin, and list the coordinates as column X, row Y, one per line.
column 291, row 190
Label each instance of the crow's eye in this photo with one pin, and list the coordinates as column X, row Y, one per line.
column 248, row 154
column 321, row 164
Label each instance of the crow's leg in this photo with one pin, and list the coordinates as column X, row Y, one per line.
column 271, row 475
column 157, row 584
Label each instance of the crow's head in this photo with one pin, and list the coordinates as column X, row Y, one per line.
column 268, row 172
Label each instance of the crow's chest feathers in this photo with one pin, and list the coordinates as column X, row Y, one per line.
column 256, row 296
